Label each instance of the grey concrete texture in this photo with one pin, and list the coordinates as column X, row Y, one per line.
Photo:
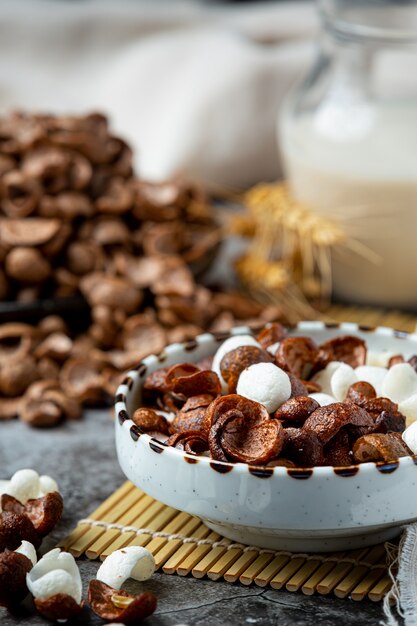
column 81, row 457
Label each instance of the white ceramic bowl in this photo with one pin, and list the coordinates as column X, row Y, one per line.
column 318, row 509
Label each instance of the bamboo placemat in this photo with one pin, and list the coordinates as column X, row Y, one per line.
column 182, row 544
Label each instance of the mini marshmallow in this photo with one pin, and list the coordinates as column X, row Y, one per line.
column 272, row 349
column 378, row 359
column 26, row 484
column 324, row 376
column 400, row 382
column 408, row 408
column 265, row 383
column 130, row 562
column 410, row 437
column 28, row 550
column 227, row 346
column 343, row 377
column 323, row 398
column 56, row 572
column 372, row 374
column 47, row 485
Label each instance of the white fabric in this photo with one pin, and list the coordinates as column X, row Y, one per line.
column 403, row 593
column 194, row 88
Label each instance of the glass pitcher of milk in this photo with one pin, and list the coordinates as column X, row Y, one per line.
column 348, row 134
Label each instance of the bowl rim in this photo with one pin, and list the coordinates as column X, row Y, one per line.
column 122, row 415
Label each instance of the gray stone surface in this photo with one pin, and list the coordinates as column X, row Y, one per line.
column 81, row 456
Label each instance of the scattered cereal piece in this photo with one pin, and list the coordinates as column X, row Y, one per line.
column 13, row 570
column 110, row 604
column 44, row 512
column 14, row 528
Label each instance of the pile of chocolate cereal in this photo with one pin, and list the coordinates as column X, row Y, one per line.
column 74, row 220
column 276, row 400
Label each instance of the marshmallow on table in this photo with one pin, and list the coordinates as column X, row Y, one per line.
column 56, row 572
column 28, row 550
column 230, row 344
column 26, row 484
column 47, row 485
column 265, row 383
column 130, row 562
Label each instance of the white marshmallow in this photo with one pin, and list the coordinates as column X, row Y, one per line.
column 47, row 485
column 410, row 437
column 408, row 408
column 343, row 377
column 372, row 374
column 324, row 376
column 378, row 359
column 400, row 382
column 264, row 383
column 323, row 398
column 28, row 550
column 26, row 484
column 273, row 348
column 56, row 572
column 227, row 346
column 130, row 562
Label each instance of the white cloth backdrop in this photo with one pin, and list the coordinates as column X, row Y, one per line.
column 194, row 88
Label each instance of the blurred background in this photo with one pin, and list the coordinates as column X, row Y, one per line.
column 195, row 87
